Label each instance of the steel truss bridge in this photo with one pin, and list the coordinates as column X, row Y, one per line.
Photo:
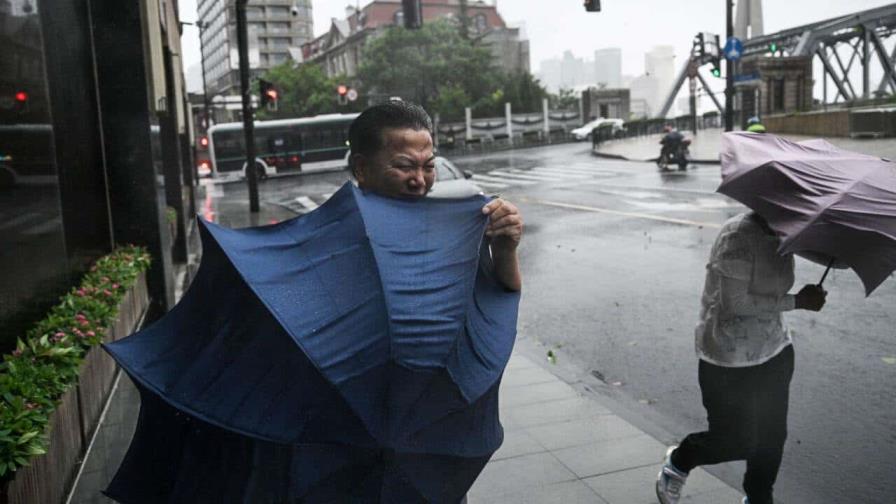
column 848, row 47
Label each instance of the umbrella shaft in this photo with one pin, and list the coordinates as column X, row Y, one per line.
column 826, row 272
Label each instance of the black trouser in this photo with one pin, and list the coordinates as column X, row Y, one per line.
column 747, row 413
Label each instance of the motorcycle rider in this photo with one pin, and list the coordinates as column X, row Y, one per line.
column 671, row 142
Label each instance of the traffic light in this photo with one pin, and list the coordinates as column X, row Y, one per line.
column 342, row 91
column 268, row 93
column 716, row 69
column 773, row 47
column 412, row 10
column 592, row 5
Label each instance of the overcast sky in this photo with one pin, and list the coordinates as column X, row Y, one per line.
column 633, row 25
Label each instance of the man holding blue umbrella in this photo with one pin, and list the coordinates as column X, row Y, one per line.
column 353, row 354
column 392, row 155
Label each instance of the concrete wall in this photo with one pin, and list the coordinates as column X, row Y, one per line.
column 831, row 123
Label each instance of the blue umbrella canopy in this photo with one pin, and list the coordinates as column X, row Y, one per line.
column 350, row 354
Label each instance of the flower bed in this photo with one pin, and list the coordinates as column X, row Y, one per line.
column 38, row 380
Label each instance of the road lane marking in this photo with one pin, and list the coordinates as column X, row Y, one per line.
column 636, row 215
column 306, row 202
column 524, row 176
column 493, row 185
column 542, row 173
column 563, row 172
column 501, row 180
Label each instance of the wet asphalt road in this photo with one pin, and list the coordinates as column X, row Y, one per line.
column 613, row 261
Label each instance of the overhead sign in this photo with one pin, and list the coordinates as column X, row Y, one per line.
column 734, row 49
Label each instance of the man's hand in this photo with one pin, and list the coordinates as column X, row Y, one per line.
column 810, row 297
column 505, row 226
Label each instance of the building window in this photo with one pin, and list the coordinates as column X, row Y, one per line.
column 278, row 11
column 278, row 42
column 278, row 27
column 480, row 23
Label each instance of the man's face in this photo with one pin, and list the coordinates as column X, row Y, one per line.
column 403, row 168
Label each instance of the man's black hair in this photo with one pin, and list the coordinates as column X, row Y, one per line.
column 365, row 135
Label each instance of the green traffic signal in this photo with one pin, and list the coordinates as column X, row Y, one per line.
column 717, row 72
column 773, row 47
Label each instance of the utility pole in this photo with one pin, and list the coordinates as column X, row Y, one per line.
column 729, row 68
column 202, row 25
column 242, row 36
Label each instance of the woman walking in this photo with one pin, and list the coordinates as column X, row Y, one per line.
column 746, row 360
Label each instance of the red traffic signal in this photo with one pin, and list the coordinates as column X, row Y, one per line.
column 203, row 141
column 21, row 96
column 342, row 90
column 268, row 92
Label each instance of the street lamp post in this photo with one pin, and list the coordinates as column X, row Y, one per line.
column 729, row 68
column 242, row 35
column 202, row 25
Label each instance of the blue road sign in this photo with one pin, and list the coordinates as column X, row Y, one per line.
column 734, row 48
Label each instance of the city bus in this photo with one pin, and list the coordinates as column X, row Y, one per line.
column 281, row 146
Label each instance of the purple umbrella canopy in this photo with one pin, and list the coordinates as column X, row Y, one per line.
column 829, row 205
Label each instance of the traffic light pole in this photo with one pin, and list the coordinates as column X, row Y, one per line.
column 729, row 68
column 248, row 119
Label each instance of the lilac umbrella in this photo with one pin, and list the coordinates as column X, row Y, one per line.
column 827, row 204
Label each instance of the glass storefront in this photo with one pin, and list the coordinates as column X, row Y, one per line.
column 33, row 259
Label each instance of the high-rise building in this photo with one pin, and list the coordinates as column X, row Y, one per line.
column 608, row 67
column 276, row 28
column 659, row 66
column 748, row 19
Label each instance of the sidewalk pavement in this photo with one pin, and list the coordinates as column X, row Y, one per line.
column 560, row 447
column 706, row 143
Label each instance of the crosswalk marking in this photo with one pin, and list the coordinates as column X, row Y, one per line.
column 500, row 180
column 307, row 202
column 569, row 172
column 492, row 185
column 556, row 173
column 527, row 176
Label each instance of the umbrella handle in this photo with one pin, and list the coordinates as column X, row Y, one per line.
column 826, row 272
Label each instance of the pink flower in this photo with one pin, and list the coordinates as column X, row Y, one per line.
column 80, row 292
column 30, row 406
column 115, row 286
column 107, row 292
column 84, row 323
column 105, row 279
column 59, row 334
column 91, row 334
column 80, row 316
column 17, row 352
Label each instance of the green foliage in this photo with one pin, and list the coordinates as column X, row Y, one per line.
column 444, row 71
column 304, row 90
column 565, row 99
column 46, row 362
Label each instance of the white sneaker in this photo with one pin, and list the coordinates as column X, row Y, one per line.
column 669, row 481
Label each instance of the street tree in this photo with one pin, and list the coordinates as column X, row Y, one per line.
column 421, row 65
column 304, row 90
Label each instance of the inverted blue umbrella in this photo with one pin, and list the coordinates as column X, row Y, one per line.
column 350, row 355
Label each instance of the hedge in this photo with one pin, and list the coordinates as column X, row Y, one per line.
column 46, row 362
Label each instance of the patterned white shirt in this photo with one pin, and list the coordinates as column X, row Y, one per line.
column 744, row 295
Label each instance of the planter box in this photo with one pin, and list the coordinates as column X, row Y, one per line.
column 48, row 478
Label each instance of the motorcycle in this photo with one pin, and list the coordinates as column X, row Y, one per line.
column 679, row 155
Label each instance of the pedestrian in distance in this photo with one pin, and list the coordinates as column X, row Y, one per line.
column 745, row 360
column 392, row 155
column 754, row 125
